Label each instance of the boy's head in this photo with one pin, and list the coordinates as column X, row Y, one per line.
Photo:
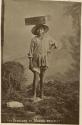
column 40, row 29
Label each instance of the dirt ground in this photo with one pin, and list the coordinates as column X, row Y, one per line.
column 60, row 105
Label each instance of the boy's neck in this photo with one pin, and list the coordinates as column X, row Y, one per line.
column 40, row 36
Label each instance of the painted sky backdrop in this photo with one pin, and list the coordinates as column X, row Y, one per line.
column 17, row 36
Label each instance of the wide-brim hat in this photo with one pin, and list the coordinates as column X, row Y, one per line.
column 37, row 27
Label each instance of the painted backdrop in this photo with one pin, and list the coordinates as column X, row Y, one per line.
column 64, row 24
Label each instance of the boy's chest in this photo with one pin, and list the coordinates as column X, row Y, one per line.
column 42, row 44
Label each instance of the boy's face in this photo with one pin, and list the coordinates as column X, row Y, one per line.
column 41, row 31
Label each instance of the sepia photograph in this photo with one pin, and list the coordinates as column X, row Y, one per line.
column 40, row 61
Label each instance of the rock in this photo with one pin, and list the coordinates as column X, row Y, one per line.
column 14, row 104
column 30, row 113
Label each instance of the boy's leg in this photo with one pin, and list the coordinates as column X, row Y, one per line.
column 35, row 82
column 41, row 82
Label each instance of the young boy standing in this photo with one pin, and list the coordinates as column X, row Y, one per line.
column 38, row 55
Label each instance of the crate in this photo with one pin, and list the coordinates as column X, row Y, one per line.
column 35, row 20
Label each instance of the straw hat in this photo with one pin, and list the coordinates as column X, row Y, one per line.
column 37, row 27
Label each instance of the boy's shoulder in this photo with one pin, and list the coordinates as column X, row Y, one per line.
column 49, row 38
column 34, row 39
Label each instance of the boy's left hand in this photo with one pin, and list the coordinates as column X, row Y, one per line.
column 53, row 46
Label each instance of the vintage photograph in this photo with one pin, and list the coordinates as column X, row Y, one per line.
column 40, row 61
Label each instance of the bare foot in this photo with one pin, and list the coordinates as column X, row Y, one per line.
column 36, row 99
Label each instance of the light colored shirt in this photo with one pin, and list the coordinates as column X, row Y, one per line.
column 39, row 49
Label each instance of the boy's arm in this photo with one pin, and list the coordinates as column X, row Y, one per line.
column 30, row 64
column 30, row 54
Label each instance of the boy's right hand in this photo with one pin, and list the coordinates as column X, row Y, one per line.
column 30, row 67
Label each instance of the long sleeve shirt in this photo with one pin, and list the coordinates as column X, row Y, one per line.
column 39, row 49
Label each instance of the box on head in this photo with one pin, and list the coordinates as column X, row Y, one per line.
column 35, row 20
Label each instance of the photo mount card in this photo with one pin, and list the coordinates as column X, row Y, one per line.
column 21, row 100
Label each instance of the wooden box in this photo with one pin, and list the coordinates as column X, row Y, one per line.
column 35, row 20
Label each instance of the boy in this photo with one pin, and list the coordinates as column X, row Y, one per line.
column 39, row 48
